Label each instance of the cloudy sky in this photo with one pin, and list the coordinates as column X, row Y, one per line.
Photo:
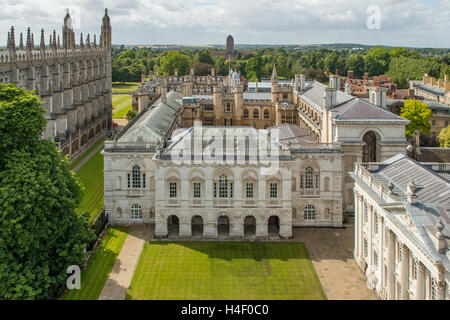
column 421, row 23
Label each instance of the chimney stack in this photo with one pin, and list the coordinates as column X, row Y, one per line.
column 330, row 97
column 377, row 96
column 347, row 88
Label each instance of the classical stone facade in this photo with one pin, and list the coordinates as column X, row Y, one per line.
column 146, row 181
column 73, row 81
column 401, row 228
column 365, row 130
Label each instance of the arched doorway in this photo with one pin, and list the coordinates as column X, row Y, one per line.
column 223, row 227
column 197, row 227
column 173, row 227
column 273, row 226
column 369, row 147
column 249, row 226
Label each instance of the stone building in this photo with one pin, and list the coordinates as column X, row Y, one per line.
column 73, row 81
column 153, row 174
column 433, row 89
column 365, row 130
column 402, row 228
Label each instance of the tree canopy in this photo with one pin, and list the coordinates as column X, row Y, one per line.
column 444, row 137
column 40, row 233
column 419, row 116
column 172, row 60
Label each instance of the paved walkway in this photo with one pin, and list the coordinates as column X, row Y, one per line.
column 331, row 251
column 88, row 157
column 119, row 279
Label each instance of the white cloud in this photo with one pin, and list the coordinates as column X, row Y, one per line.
column 412, row 22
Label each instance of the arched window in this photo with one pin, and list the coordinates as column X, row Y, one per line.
column 136, row 179
column 228, row 107
column 266, row 114
column 310, row 212
column 255, row 114
column 136, row 212
column 369, row 147
column 245, row 113
column 224, row 187
column 309, row 178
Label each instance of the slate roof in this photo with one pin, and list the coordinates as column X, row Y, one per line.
column 314, row 93
column 154, row 124
column 289, row 133
column 358, row 109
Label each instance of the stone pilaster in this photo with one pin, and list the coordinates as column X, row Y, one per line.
column 420, row 284
column 390, row 265
column 404, row 271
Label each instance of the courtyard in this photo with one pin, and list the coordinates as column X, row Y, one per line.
column 225, row 270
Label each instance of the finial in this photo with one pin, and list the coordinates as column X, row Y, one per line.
column 81, row 40
column 13, row 40
column 21, row 42
column 32, row 40
column 95, row 41
column 59, row 43
column 274, row 72
column 42, row 39
column 54, row 39
column 29, row 47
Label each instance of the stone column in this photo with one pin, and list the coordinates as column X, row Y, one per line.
column 236, row 228
column 210, row 230
column 185, row 228
column 420, row 284
column 404, row 271
column 390, row 265
column 441, row 289
column 356, row 252
column 261, row 228
column 160, row 227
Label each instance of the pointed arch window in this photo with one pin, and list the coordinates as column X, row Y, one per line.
column 266, row 114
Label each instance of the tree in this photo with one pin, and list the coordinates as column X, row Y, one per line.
column 419, row 116
column 40, row 233
column 377, row 61
column 355, row 62
column 131, row 115
column 444, row 137
column 172, row 60
column 253, row 68
column 204, row 56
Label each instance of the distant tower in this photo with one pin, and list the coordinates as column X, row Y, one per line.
column 230, row 47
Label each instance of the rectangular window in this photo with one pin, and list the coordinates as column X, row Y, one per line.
column 197, row 190
column 375, row 223
column 231, row 189
column 249, row 190
column 143, row 180
column 172, row 190
column 317, row 182
column 433, row 289
column 215, row 190
column 273, row 190
column 301, row 182
column 129, row 181
column 366, row 248
column 375, row 258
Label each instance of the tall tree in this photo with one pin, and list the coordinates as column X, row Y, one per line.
column 40, row 233
column 419, row 116
column 172, row 60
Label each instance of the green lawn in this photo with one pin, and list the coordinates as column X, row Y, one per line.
column 225, row 270
column 93, row 278
column 85, row 154
column 121, row 105
column 124, row 87
column 91, row 176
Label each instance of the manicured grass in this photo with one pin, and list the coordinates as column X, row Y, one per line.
column 91, row 176
column 124, row 87
column 93, row 278
column 225, row 270
column 86, row 153
column 121, row 105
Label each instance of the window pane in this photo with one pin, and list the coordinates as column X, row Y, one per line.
column 197, row 190
column 249, row 190
column 172, row 189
